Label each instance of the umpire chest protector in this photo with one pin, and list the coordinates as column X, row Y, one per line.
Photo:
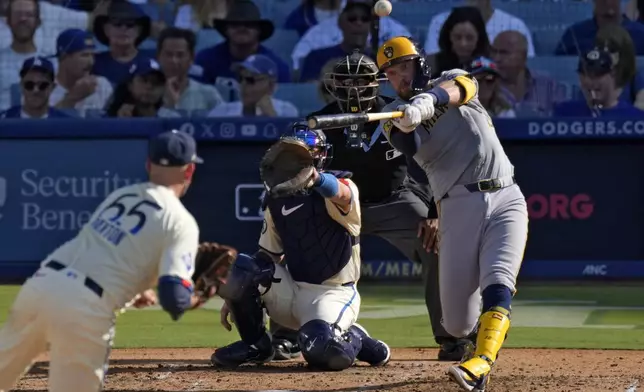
column 378, row 169
column 316, row 247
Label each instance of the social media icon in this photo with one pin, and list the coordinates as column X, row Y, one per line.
column 227, row 130
column 187, row 128
column 249, row 130
column 269, row 131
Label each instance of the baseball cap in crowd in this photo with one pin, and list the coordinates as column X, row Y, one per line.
column 484, row 65
column 596, row 61
column 74, row 40
column 173, row 149
column 37, row 63
column 258, row 64
column 146, row 67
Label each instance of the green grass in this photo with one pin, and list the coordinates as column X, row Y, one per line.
column 154, row 328
column 617, row 317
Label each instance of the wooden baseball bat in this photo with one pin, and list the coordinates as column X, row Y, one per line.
column 343, row 120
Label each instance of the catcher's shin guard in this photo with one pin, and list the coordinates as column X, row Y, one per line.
column 473, row 373
column 249, row 318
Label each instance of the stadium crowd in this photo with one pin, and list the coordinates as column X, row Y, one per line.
column 222, row 58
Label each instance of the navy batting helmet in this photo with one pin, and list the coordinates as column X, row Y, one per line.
column 315, row 139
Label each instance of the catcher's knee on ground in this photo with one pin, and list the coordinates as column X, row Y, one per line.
column 324, row 346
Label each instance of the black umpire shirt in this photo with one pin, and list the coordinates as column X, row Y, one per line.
column 380, row 170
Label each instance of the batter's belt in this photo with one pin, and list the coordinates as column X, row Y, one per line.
column 491, row 185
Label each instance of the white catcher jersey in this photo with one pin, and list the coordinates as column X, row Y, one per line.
column 140, row 232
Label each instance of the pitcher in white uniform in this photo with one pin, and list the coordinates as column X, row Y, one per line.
column 139, row 236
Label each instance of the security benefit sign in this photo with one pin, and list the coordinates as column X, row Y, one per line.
column 49, row 189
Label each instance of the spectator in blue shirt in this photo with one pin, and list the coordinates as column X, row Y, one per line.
column 597, row 76
column 36, row 84
column 123, row 29
column 580, row 37
column 244, row 30
column 355, row 24
column 310, row 13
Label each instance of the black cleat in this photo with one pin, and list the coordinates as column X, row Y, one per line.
column 285, row 349
column 240, row 353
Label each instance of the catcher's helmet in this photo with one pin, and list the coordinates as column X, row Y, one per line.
column 315, row 139
column 399, row 49
column 353, row 83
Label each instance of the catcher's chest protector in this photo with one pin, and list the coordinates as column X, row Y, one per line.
column 316, row 247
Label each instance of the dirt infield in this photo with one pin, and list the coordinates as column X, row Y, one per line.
column 410, row 370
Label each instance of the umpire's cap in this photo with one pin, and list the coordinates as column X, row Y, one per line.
column 173, row 149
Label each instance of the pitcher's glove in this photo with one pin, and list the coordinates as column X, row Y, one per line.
column 212, row 263
column 287, row 168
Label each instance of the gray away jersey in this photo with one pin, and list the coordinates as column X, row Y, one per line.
column 459, row 145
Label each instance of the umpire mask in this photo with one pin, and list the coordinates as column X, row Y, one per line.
column 353, row 83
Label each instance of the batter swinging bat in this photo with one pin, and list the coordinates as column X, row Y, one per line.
column 345, row 120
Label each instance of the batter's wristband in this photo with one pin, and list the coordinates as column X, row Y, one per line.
column 442, row 96
column 432, row 213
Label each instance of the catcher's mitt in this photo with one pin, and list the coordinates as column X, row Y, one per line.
column 287, row 168
column 212, row 263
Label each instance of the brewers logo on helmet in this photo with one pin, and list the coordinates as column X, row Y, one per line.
column 401, row 49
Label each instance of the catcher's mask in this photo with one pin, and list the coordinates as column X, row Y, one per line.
column 315, row 139
column 400, row 49
column 353, row 83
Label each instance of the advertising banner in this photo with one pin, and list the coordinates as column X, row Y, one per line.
column 584, row 199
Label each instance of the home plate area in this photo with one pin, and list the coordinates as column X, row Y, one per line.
column 411, row 369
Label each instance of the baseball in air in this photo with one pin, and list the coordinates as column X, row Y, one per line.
column 382, row 8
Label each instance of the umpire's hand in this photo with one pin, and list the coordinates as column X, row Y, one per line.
column 428, row 231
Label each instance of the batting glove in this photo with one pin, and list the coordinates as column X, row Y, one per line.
column 424, row 103
column 410, row 120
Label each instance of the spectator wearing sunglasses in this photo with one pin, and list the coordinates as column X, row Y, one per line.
column 355, row 24
column 244, row 31
column 141, row 95
column 257, row 77
column 490, row 94
column 76, row 87
column 36, row 84
column 123, row 29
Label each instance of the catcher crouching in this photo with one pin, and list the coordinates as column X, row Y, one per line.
column 306, row 270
